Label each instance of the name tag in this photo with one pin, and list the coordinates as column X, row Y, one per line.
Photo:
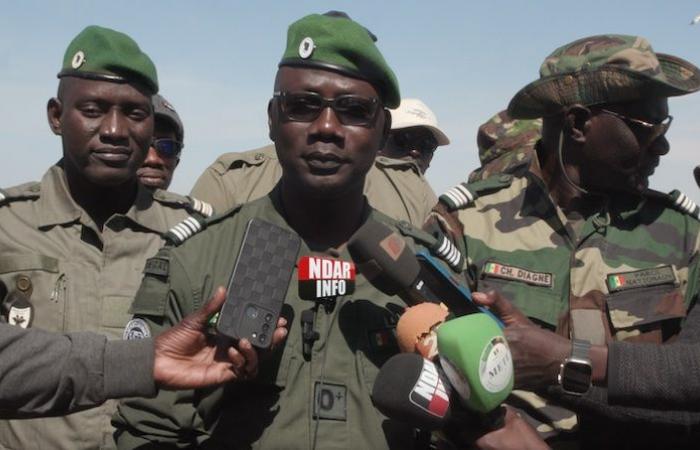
column 622, row 281
column 513, row 273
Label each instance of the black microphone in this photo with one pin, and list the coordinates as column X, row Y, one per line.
column 416, row 391
column 410, row 388
column 388, row 262
column 696, row 172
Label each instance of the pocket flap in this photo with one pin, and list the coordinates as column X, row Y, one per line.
column 17, row 263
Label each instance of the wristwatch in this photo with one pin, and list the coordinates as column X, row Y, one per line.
column 575, row 372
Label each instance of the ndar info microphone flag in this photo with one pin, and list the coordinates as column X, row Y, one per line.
column 323, row 277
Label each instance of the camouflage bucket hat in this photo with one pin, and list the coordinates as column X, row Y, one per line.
column 603, row 69
column 502, row 134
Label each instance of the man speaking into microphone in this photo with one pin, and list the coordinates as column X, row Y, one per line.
column 327, row 118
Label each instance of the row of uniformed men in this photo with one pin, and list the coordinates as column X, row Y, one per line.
column 620, row 260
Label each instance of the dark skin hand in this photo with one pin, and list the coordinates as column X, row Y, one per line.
column 537, row 353
column 188, row 358
column 515, row 434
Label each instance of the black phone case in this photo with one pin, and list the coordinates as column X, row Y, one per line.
column 259, row 282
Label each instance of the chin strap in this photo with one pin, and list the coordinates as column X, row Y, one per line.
column 561, row 165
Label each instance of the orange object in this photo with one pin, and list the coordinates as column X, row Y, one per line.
column 415, row 331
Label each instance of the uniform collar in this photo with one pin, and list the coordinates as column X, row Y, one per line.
column 57, row 206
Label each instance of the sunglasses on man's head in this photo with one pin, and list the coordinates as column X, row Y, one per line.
column 167, row 148
column 350, row 109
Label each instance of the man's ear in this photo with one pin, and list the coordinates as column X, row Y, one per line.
column 387, row 128
column 576, row 122
column 54, row 108
column 271, row 132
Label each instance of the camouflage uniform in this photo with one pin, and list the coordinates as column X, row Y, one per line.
column 505, row 144
column 392, row 186
column 275, row 410
column 76, row 277
column 628, row 272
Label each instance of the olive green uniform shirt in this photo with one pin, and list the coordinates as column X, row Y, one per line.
column 392, row 186
column 274, row 411
column 76, row 278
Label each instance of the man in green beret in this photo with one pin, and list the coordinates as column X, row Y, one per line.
column 577, row 240
column 327, row 118
column 73, row 245
column 163, row 156
column 393, row 186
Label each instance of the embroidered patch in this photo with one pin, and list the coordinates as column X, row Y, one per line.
column 499, row 270
column 330, row 401
column 157, row 266
column 136, row 329
column 640, row 278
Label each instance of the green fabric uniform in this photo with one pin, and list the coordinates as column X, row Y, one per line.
column 392, row 186
column 627, row 273
column 76, row 278
column 275, row 410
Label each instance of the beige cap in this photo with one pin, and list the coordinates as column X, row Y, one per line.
column 414, row 113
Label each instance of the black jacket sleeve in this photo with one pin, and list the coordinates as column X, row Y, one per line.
column 43, row 374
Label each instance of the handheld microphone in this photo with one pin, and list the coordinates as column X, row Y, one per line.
column 416, row 329
column 411, row 389
column 387, row 262
column 696, row 172
column 476, row 359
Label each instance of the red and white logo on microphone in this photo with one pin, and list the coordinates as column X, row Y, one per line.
column 321, row 277
column 429, row 392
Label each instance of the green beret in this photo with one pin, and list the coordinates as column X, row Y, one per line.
column 603, row 69
column 341, row 45
column 99, row 53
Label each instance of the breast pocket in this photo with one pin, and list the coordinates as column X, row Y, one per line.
column 651, row 314
column 35, row 290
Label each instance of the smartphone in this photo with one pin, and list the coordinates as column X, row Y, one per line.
column 259, row 283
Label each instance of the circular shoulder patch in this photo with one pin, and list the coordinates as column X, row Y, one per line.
column 78, row 59
column 136, row 329
column 306, row 47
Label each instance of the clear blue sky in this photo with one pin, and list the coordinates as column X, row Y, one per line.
column 217, row 60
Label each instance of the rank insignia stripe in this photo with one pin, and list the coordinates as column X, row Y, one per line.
column 622, row 281
column 513, row 273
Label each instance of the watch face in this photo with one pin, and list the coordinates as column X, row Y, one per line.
column 576, row 377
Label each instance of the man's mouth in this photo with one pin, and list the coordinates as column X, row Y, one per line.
column 113, row 155
column 324, row 161
column 150, row 177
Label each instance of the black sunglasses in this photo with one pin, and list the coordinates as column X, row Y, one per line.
column 653, row 130
column 420, row 139
column 350, row 109
column 167, row 148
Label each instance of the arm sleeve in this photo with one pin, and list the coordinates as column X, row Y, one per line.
column 44, row 373
column 170, row 418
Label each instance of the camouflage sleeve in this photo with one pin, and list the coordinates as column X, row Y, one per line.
column 170, row 418
column 210, row 187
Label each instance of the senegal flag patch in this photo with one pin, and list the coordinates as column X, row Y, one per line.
column 641, row 278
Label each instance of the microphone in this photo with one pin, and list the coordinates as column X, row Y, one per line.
column 416, row 329
column 411, row 389
column 387, row 262
column 476, row 359
column 696, row 172
column 323, row 278
column 473, row 352
column 415, row 390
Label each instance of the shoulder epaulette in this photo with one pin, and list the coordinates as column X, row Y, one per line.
column 192, row 225
column 23, row 191
column 437, row 243
column 684, row 204
column 464, row 194
column 191, row 204
column 254, row 157
column 203, row 208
